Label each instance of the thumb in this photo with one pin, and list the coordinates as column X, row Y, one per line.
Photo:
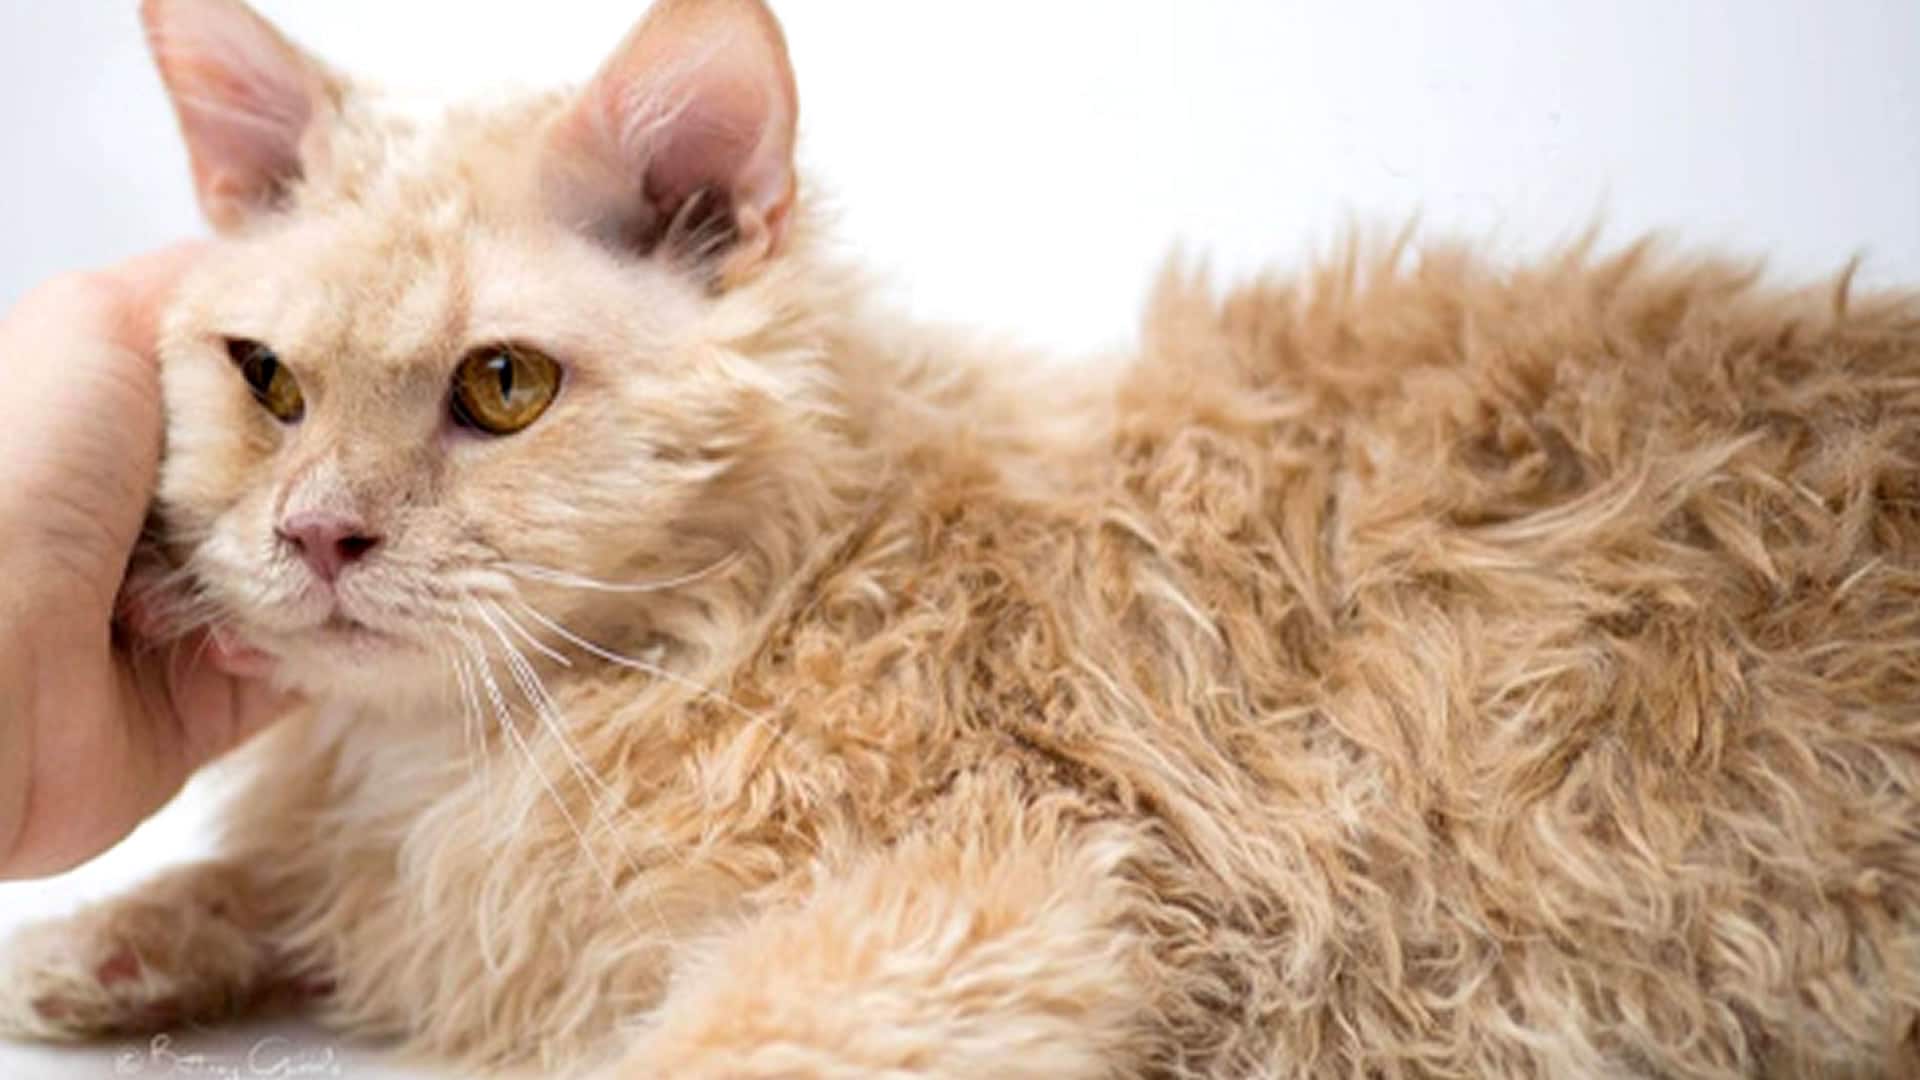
column 147, row 281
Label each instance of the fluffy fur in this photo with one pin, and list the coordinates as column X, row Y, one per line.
column 1415, row 667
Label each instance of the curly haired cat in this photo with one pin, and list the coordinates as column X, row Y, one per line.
column 1415, row 669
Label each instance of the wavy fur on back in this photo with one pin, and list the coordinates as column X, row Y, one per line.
column 1555, row 701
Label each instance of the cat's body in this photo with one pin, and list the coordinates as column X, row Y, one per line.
column 1415, row 669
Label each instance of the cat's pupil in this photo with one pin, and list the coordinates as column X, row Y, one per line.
column 503, row 370
column 258, row 363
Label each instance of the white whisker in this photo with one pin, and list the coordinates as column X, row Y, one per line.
column 505, row 716
column 655, row 670
column 539, row 646
column 500, row 710
column 550, row 576
column 536, row 694
column 471, row 726
column 473, row 729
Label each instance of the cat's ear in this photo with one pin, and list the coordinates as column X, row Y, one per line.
column 250, row 103
column 682, row 145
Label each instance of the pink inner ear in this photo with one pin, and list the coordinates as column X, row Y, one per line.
column 245, row 130
column 710, row 143
column 697, row 102
column 246, row 98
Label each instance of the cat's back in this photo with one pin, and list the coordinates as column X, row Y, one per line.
column 1548, row 638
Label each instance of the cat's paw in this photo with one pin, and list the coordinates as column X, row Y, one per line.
column 162, row 957
column 66, row 981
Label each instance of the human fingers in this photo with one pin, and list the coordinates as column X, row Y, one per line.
column 146, row 282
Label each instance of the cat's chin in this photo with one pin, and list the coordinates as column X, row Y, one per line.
column 345, row 658
column 387, row 685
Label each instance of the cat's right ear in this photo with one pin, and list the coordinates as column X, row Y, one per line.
column 682, row 145
column 251, row 104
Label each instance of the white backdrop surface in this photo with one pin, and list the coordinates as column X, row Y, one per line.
column 1025, row 166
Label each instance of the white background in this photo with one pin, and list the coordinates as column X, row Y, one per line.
column 1024, row 165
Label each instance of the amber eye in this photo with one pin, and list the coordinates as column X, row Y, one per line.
column 273, row 386
column 502, row 389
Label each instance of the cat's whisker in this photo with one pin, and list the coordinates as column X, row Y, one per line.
column 535, row 693
column 547, row 575
column 479, row 769
column 520, row 631
column 477, row 660
column 470, row 728
column 503, row 714
column 649, row 668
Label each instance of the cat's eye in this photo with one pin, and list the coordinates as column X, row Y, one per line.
column 502, row 389
column 273, row 386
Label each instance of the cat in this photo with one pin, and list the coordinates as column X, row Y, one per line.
column 1412, row 668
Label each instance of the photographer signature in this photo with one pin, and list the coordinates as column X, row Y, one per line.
column 273, row 1056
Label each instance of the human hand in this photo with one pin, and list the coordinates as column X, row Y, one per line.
column 95, row 733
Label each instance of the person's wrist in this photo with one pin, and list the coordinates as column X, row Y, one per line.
column 20, row 690
column 47, row 598
column 27, row 602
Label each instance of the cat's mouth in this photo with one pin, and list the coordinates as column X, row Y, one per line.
column 338, row 632
column 345, row 629
column 336, row 641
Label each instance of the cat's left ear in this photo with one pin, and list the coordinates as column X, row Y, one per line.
column 253, row 106
column 682, row 145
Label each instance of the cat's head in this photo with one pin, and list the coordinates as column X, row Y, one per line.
column 443, row 379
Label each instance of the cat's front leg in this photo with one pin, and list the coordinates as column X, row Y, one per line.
column 190, row 945
column 937, row 958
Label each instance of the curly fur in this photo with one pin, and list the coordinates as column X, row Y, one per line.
column 1414, row 667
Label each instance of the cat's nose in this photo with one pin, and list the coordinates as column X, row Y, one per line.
column 327, row 542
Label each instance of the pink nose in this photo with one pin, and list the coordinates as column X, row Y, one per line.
column 327, row 542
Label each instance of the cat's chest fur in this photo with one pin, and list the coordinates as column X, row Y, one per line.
column 440, row 866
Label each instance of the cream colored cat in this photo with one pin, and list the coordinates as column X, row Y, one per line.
column 1414, row 669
